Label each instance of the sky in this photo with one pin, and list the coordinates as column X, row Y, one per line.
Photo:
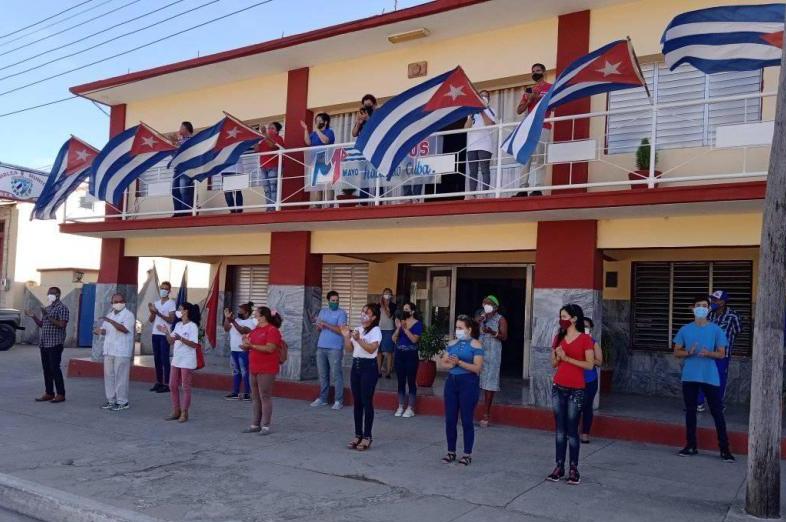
column 33, row 138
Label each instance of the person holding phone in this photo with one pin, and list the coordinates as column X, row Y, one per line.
column 493, row 332
column 237, row 326
column 52, row 324
column 185, row 341
column 480, row 146
column 464, row 357
column 263, row 345
column 535, row 170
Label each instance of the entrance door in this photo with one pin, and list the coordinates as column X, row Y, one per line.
column 441, row 292
column 87, row 310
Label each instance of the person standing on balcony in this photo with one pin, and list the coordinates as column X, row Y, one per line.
column 330, row 351
column 52, row 325
column 407, row 335
column 367, row 108
column 590, row 384
column 363, row 341
column 185, row 340
column 536, row 167
column 387, row 308
column 701, row 343
column 729, row 321
column 263, row 345
column 493, row 332
column 480, row 146
column 322, row 133
column 118, row 331
column 238, row 326
column 268, row 164
column 162, row 313
column 183, row 186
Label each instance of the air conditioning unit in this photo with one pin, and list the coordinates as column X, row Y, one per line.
column 87, row 202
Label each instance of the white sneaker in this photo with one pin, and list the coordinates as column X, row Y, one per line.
column 408, row 413
column 399, row 411
column 265, row 430
column 317, row 403
column 337, row 405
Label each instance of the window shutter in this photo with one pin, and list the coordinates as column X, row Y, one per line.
column 157, row 174
column 625, row 131
column 736, row 277
column 651, row 294
column 250, row 284
column 731, row 112
column 681, row 126
column 689, row 281
column 351, row 283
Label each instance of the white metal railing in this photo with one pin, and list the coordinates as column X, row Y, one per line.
column 506, row 177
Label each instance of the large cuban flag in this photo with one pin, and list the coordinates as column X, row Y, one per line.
column 727, row 38
column 405, row 120
column 71, row 168
column 212, row 150
column 124, row 158
column 610, row 68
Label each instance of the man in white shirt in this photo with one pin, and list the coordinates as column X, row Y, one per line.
column 118, row 331
column 480, row 147
column 162, row 313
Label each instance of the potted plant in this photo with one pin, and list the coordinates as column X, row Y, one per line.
column 607, row 369
column 432, row 343
column 642, row 171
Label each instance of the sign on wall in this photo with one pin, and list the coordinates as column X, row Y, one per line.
column 19, row 184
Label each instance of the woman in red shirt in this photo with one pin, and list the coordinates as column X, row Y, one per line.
column 572, row 353
column 263, row 345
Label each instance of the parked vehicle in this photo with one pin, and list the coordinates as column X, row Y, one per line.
column 10, row 322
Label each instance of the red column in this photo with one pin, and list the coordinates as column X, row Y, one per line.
column 291, row 260
column 567, row 255
column 573, row 33
column 117, row 124
column 297, row 111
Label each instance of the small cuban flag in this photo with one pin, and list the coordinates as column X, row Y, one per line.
column 71, row 169
column 408, row 118
column 124, row 158
column 726, row 38
column 212, row 150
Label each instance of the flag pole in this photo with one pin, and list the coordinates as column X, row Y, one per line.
column 635, row 60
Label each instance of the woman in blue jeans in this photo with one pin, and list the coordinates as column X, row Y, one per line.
column 406, row 336
column 464, row 357
column 590, row 384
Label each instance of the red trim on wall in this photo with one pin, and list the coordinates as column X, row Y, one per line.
column 117, row 268
column 291, row 260
column 419, row 11
column 573, row 34
column 567, row 255
column 297, row 111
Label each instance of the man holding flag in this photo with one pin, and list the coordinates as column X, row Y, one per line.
column 536, row 166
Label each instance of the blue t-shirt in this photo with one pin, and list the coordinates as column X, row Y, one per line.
column 465, row 352
column 403, row 342
column 709, row 337
column 591, row 375
column 314, row 137
column 328, row 339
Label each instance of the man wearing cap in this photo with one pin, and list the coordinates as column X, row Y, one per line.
column 729, row 322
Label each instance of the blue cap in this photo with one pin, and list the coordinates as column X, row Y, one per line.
column 721, row 295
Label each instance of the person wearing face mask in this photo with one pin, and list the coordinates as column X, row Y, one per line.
column 729, row 321
column 185, row 339
column 238, row 326
column 536, row 167
column 263, row 345
column 322, row 133
column 387, row 307
column 53, row 321
column 572, row 353
column 700, row 343
column 118, row 331
column 493, row 332
column 268, row 164
column 367, row 108
column 363, row 342
column 330, row 351
column 162, row 313
column 183, row 186
column 480, row 146
column 406, row 336
column 590, row 384
column 464, row 357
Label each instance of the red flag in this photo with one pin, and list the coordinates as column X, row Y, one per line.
column 211, row 310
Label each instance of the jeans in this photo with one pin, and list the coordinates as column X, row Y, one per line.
column 178, row 377
column 270, row 184
column 567, row 404
column 690, row 392
column 329, row 368
column 363, row 380
column 161, row 358
column 480, row 158
column 53, row 375
column 182, row 194
column 723, row 372
column 461, row 395
column 412, row 190
column 536, row 166
column 234, row 198
column 406, row 365
column 262, row 396
column 240, row 371
column 116, row 373
column 587, row 413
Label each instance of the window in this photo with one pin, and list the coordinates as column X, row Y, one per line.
column 680, row 127
column 250, row 283
column 351, row 283
column 663, row 293
column 156, row 175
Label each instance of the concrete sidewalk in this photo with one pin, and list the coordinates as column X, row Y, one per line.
column 207, row 470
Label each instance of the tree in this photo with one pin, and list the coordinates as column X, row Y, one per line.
column 764, row 432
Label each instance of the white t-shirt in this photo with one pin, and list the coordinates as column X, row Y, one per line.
column 164, row 309
column 235, row 337
column 482, row 140
column 185, row 356
column 374, row 335
column 117, row 343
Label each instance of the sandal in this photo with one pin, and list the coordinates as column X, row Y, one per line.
column 484, row 423
column 364, row 445
column 354, row 443
column 450, row 457
column 466, row 460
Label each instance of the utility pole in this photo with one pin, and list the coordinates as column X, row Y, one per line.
column 762, row 497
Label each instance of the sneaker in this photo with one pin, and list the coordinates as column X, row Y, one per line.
column 726, row 456
column 265, row 430
column 231, row 397
column 399, row 411
column 573, row 476
column 163, row 389
column 155, row 387
column 108, row 405
column 337, row 405
column 245, row 397
column 701, row 408
column 557, row 474
column 252, row 429
column 121, row 407
column 317, row 403
column 687, row 451
column 408, row 413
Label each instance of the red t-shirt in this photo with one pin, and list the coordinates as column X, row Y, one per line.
column 540, row 90
column 264, row 362
column 270, row 161
column 569, row 375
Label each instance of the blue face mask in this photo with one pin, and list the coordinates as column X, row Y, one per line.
column 700, row 312
column 714, row 306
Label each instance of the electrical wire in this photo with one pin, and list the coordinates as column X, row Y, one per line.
column 44, row 19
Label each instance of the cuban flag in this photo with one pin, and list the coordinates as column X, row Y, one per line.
column 212, row 150
column 71, row 169
column 124, row 158
column 610, row 68
column 406, row 119
column 728, row 38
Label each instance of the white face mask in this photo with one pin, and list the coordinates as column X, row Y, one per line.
column 461, row 334
column 588, row 331
column 178, row 314
column 386, row 297
column 163, row 293
column 51, row 298
column 488, row 308
column 364, row 319
column 118, row 306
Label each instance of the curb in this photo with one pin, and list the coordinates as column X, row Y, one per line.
column 48, row 504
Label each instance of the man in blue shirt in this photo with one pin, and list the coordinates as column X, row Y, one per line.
column 330, row 351
column 700, row 344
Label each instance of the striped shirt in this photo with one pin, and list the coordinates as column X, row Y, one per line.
column 51, row 334
column 730, row 323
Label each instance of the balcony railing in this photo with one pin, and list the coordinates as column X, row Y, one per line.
column 438, row 168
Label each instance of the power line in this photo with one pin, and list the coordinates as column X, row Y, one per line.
column 85, row 38
column 44, row 19
column 97, row 106
column 46, row 104
column 178, row 33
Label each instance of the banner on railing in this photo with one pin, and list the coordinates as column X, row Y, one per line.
column 20, row 184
